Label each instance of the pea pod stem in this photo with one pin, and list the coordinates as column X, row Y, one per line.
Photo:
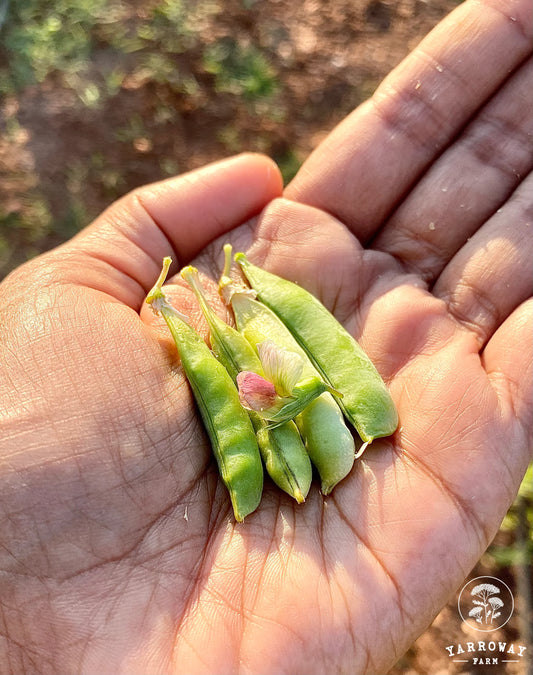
column 227, row 287
column 156, row 298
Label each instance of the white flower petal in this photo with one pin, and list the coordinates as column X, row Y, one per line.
column 281, row 366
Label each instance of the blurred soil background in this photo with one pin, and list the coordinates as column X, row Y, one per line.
column 100, row 96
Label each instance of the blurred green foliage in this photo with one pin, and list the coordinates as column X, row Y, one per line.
column 240, row 70
column 42, row 37
column 157, row 62
column 61, row 37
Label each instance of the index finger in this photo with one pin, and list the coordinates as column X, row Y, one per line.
column 368, row 163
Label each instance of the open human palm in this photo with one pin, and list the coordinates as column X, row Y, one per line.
column 119, row 549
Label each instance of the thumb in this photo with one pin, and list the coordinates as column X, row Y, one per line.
column 120, row 253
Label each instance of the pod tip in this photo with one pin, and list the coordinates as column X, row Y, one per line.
column 298, row 495
column 363, row 448
column 189, row 270
column 327, row 488
column 333, row 391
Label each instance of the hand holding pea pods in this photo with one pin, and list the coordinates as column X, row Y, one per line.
column 228, row 426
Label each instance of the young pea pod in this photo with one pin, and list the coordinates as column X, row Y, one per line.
column 226, row 342
column 328, row 440
column 366, row 401
column 285, row 458
column 227, row 424
column 282, row 449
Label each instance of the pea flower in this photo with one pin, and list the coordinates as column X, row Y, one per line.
column 281, row 394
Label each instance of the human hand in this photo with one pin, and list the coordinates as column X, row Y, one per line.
column 120, row 554
column 108, row 497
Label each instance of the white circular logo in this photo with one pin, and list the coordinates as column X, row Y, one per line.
column 485, row 603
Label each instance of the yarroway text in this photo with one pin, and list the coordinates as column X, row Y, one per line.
column 482, row 646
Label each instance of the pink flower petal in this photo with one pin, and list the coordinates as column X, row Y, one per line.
column 255, row 393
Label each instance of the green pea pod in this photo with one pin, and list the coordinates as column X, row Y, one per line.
column 332, row 454
column 227, row 424
column 285, row 458
column 282, row 449
column 366, row 402
column 328, row 440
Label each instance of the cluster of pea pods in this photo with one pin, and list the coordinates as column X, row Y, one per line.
column 277, row 389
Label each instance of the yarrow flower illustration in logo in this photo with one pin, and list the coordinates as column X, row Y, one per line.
column 486, row 609
column 486, row 603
